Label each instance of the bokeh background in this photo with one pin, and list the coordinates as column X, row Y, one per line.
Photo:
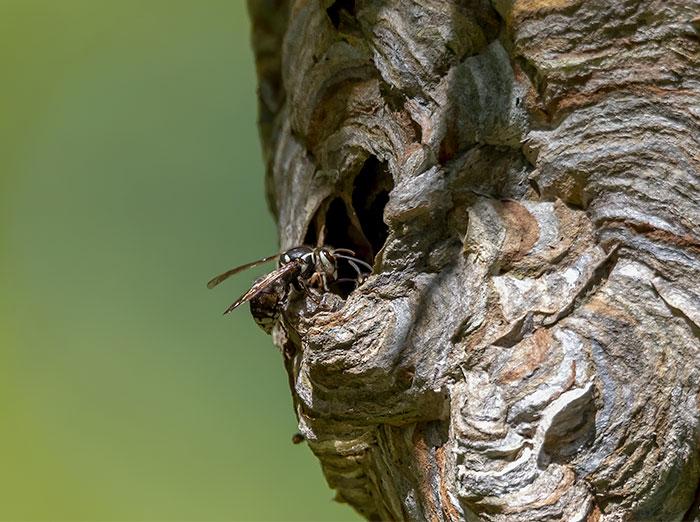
column 130, row 173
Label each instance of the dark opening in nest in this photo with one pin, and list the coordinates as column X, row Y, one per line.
column 364, row 235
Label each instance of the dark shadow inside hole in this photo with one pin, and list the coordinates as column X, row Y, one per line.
column 341, row 233
column 332, row 223
column 311, row 237
column 369, row 197
column 336, row 7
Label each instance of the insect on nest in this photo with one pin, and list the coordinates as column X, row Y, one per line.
column 312, row 271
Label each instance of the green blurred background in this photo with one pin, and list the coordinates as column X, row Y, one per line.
column 130, row 173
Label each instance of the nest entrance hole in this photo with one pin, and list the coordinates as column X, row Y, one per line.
column 334, row 10
column 355, row 222
column 370, row 195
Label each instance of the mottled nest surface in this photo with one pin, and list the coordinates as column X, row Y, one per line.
column 523, row 175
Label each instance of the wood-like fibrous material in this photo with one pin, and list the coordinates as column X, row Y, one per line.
column 523, row 175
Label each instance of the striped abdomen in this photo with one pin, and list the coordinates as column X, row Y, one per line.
column 268, row 305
